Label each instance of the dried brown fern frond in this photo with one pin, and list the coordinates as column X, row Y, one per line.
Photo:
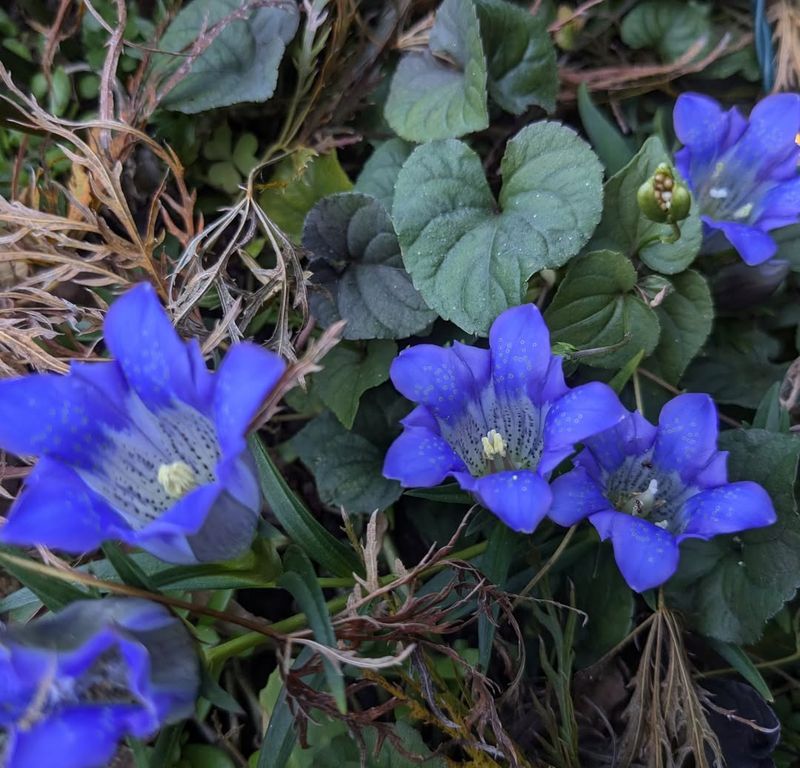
column 785, row 15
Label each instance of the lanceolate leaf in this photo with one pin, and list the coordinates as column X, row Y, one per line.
column 596, row 307
column 469, row 260
column 358, row 270
column 441, row 93
column 241, row 64
column 520, row 56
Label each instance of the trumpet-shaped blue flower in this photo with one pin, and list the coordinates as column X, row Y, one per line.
column 74, row 684
column 148, row 449
column 498, row 420
column 743, row 173
column 648, row 488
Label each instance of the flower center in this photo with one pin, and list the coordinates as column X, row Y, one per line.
column 493, row 445
column 177, row 479
column 642, row 503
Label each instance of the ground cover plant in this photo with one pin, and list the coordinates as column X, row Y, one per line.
column 396, row 383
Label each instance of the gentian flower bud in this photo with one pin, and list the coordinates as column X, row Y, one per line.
column 663, row 198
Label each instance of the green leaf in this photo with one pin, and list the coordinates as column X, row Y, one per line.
column 379, row 174
column 495, row 565
column 281, row 736
column 204, row 756
column 595, row 307
column 299, row 578
column 771, row 415
column 440, row 93
column 300, row 525
column 601, row 592
column 624, row 228
column 670, row 27
column 685, row 315
column 741, row 662
column 613, row 149
column 53, row 593
column 241, row 64
column 738, row 369
column 347, row 467
column 358, row 270
column 450, row 493
column 469, row 260
column 126, row 567
column 730, row 586
column 298, row 182
column 520, row 55
column 349, row 371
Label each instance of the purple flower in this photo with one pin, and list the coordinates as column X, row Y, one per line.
column 73, row 684
column 497, row 420
column 648, row 489
column 743, row 173
column 148, row 449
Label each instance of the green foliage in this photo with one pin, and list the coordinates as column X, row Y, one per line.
column 728, row 587
column 379, row 174
column 670, row 27
column 624, row 227
column 345, row 465
column 685, row 316
column 440, row 93
column 241, row 64
column 596, row 306
column 469, row 260
column 358, row 271
column 613, row 149
column 298, row 182
column 520, row 56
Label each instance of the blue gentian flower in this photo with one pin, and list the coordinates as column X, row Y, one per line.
column 74, row 684
column 498, row 420
column 743, row 173
column 649, row 488
column 148, row 449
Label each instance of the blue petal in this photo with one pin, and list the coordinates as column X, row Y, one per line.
column 227, row 532
column 687, row 435
column 770, row 135
column 780, row 206
column 80, row 737
column 154, row 359
column 62, row 416
column 520, row 499
column 478, row 360
column 435, row 377
column 202, row 379
column 167, row 536
column 575, row 496
column 646, row 555
column 420, row 458
column 57, row 510
column 553, row 386
column 700, row 122
column 753, row 245
column 633, row 436
column 727, row 509
column 581, row 413
column 520, row 344
column 247, row 375
column 714, row 473
column 421, row 417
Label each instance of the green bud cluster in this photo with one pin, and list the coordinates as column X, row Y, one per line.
column 663, row 198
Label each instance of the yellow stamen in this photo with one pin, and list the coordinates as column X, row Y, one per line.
column 177, row 479
column 493, row 445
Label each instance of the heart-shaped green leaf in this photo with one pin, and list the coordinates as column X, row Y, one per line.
column 471, row 258
column 595, row 307
column 379, row 174
column 358, row 270
column 241, row 64
column 520, row 56
column 440, row 93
